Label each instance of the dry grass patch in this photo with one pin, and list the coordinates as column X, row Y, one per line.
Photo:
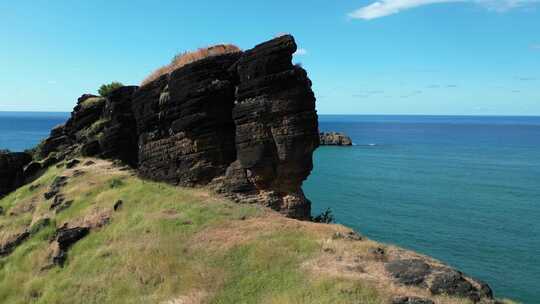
column 185, row 58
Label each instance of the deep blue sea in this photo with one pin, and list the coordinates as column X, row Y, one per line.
column 24, row 130
column 465, row 190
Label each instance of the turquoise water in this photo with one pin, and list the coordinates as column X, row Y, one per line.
column 465, row 190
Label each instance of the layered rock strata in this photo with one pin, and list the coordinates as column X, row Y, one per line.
column 242, row 123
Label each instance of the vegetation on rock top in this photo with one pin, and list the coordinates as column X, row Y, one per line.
column 185, row 58
column 106, row 89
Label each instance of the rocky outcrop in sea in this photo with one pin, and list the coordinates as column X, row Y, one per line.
column 334, row 139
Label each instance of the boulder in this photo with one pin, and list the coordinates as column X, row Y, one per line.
column 409, row 272
column 439, row 280
column 56, row 186
column 8, row 246
column 65, row 238
column 72, row 163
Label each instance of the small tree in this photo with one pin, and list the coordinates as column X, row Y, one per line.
column 106, row 89
column 327, row 217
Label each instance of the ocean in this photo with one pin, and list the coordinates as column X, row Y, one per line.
column 24, row 130
column 465, row 190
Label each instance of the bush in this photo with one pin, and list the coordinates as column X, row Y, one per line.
column 106, row 89
column 326, row 217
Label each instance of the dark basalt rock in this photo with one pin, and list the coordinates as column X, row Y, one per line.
column 185, row 124
column 72, row 163
column 12, row 171
column 439, row 280
column 450, row 282
column 8, row 247
column 411, row 300
column 351, row 236
column 118, row 205
column 54, row 142
column 54, row 189
column 65, row 238
column 91, row 148
column 243, row 123
column 12, row 243
column 276, row 127
column 119, row 137
column 409, row 272
column 32, row 170
column 334, row 139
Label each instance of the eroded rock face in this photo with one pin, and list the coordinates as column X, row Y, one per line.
column 243, row 123
column 185, row 123
column 118, row 139
column 276, row 127
column 12, row 171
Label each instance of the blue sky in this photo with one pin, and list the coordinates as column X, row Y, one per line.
column 453, row 57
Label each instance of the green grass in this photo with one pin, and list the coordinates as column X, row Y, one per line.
column 151, row 251
column 167, row 245
column 92, row 101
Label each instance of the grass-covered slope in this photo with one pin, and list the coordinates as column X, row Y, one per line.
column 173, row 245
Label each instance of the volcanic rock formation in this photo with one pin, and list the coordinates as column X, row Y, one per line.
column 243, row 123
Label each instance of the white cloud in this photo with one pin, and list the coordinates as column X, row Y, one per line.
column 382, row 8
column 502, row 6
column 301, row 52
column 536, row 47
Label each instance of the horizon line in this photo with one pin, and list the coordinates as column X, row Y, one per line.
column 340, row 114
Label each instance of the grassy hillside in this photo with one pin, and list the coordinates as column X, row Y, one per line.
column 173, row 245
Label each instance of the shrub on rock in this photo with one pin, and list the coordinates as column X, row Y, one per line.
column 106, row 89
